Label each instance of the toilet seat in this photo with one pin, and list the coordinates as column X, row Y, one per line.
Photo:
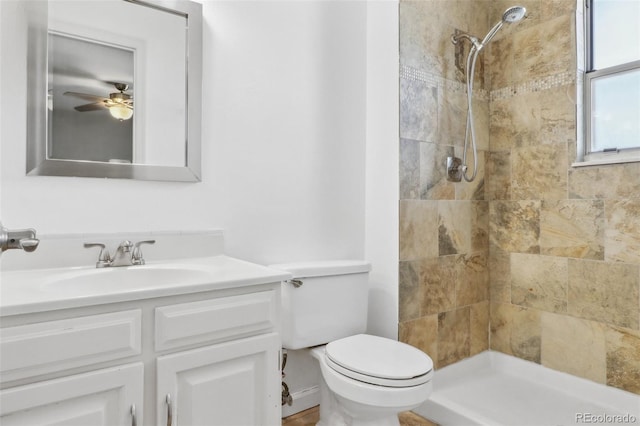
column 379, row 361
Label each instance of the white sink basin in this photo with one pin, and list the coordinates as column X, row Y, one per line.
column 126, row 278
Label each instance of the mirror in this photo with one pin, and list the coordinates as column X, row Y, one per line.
column 115, row 89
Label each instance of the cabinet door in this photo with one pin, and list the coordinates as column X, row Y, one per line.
column 102, row 397
column 231, row 383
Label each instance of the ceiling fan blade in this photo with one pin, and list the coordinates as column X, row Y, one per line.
column 91, row 107
column 85, row 96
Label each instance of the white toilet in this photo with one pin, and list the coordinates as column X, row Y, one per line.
column 366, row 380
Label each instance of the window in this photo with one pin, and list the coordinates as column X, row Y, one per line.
column 612, row 81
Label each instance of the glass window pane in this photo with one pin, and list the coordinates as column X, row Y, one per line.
column 615, row 111
column 615, row 32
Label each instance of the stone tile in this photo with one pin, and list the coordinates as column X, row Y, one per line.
column 409, row 169
column 539, row 282
column 418, row 110
column 499, row 275
column 479, row 328
column 433, row 172
column 572, row 228
column 539, row 172
column 515, row 121
column 615, row 181
column 564, row 339
column 500, row 60
column 479, row 226
column 421, row 333
column 453, row 336
column 558, row 115
column 452, row 113
column 472, row 283
column 622, row 230
column 454, row 227
column 421, row 32
column 471, row 190
column 418, row 229
column 541, row 50
column 623, row 362
column 409, row 290
column 438, row 284
column 515, row 331
column 498, row 175
column 605, row 292
column 514, row 226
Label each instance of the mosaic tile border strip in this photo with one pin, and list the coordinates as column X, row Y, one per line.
column 532, row 86
column 432, row 80
column 545, row 83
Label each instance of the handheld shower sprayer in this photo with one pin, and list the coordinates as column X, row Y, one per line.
column 456, row 168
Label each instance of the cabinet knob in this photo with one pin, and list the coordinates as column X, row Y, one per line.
column 169, row 410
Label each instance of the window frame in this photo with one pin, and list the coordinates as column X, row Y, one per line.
column 585, row 155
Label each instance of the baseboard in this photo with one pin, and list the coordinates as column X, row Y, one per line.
column 302, row 400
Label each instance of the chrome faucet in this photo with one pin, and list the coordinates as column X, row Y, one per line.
column 23, row 239
column 127, row 254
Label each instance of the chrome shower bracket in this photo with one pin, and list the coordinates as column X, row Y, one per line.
column 454, row 169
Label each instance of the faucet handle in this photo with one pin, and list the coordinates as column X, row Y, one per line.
column 136, row 256
column 104, row 259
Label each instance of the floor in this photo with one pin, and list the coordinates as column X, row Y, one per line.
column 310, row 417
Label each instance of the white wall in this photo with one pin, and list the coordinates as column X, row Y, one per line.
column 286, row 83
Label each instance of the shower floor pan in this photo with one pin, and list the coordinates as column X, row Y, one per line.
column 495, row 389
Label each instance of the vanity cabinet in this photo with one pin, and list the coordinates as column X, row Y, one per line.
column 209, row 358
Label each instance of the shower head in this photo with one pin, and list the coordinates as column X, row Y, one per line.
column 512, row 15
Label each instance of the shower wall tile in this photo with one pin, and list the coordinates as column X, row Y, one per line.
column 421, row 29
column 499, row 275
column 418, row 229
column 498, row 175
column 623, row 362
column 516, row 331
column 539, row 282
column 418, row 110
column 558, row 115
column 515, row 225
column 622, row 233
column 539, row 172
column 471, row 190
column 409, row 169
column 605, row 292
column 452, row 113
column 564, row 339
column 433, row 174
column 542, row 50
column 472, row 283
column 572, row 228
column 514, row 121
column 438, row 284
column 454, row 227
column 500, row 58
column 480, row 226
column 479, row 328
column 613, row 182
column 421, row 333
column 410, row 293
column 454, row 336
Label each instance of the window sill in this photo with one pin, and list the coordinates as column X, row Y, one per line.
column 607, row 161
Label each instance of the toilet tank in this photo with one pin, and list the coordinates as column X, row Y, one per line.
column 330, row 304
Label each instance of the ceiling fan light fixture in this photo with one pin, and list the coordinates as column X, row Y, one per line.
column 121, row 112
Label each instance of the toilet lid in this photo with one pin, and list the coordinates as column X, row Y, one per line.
column 378, row 360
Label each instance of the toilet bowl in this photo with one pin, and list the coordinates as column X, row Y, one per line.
column 365, row 380
column 368, row 380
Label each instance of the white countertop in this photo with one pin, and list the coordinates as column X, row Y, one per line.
column 38, row 290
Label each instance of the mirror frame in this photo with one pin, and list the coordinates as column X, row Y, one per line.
column 37, row 121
